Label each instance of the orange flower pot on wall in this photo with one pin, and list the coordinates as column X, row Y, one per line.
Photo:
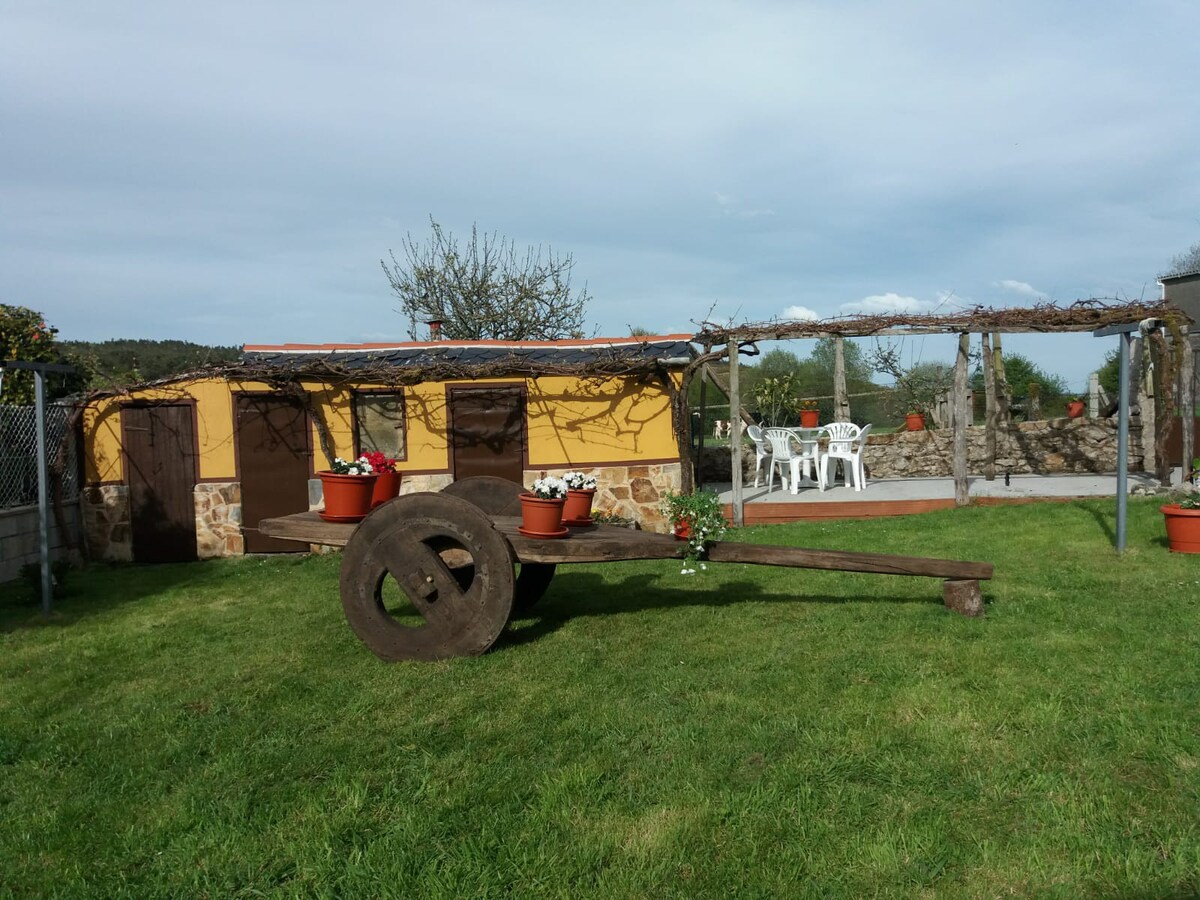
column 914, row 422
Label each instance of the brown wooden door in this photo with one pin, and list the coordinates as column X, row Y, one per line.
column 160, row 465
column 487, row 432
column 273, row 454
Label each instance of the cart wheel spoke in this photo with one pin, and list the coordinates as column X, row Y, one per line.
column 447, row 560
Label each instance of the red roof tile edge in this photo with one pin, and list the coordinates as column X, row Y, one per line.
column 412, row 345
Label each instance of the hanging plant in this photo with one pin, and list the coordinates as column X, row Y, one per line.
column 699, row 519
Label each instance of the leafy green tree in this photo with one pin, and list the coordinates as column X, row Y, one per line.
column 1110, row 373
column 128, row 361
column 24, row 336
column 486, row 289
column 1020, row 371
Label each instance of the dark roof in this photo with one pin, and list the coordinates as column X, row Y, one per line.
column 675, row 348
column 1174, row 276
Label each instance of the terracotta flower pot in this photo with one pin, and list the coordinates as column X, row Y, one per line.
column 542, row 518
column 914, row 422
column 579, row 506
column 1183, row 528
column 1075, row 409
column 682, row 529
column 810, row 418
column 386, row 487
column 347, row 497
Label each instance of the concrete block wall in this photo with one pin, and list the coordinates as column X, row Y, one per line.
column 20, row 540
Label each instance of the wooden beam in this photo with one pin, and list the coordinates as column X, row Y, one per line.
column 961, row 420
column 991, row 411
column 846, row 561
column 735, row 436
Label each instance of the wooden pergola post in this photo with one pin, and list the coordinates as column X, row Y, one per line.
column 735, row 434
column 1003, row 411
column 841, row 400
column 962, row 418
column 1187, row 405
column 990, row 409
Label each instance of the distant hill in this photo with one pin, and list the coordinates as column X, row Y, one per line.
column 125, row 361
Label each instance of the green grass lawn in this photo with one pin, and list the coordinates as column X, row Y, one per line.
column 216, row 729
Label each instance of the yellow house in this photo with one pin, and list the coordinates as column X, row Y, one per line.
column 188, row 467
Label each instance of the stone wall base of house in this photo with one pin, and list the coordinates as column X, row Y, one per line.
column 633, row 492
column 218, row 520
column 106, row 522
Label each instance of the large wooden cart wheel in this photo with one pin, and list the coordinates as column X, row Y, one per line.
column 500, row 497
column 447, row 559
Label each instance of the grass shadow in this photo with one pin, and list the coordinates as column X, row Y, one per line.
column 1105, row 519
column 99, row 588
column 576, row 595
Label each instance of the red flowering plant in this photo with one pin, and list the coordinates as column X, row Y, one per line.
column 379, row 462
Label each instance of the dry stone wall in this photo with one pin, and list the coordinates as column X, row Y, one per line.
column 1043, row 447
column 1049, row 446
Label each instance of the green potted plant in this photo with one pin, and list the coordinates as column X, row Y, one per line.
column 542, row 509
column 1183, row 524
column 696, row 518
column 347, row 488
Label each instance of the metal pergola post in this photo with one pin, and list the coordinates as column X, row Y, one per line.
column 39, row 386
column 1123, row 333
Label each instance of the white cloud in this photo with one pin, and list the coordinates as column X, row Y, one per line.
column 799, row 313
column 887, row 303
column 1022, row 288
column 734, row 208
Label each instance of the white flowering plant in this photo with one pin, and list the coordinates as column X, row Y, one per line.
column 579, row 481
column 704, row 517
column 360, row 466
column 549, row 488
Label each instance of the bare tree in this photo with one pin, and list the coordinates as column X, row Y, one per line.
column 1188, row 261
column 486, row 290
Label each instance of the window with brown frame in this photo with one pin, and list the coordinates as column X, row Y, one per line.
column 379, row 423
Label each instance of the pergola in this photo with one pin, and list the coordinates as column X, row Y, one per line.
column 1097, row 317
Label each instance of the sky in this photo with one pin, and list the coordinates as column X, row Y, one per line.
column 233, row 173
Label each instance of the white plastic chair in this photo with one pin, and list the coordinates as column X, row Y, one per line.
column 846, row 442
column 782, row 454
column 761, row 450
column 781, row 457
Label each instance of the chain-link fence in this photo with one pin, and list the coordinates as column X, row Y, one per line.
column 18, row 453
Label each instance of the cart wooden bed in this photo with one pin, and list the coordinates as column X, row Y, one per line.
column 460, row 560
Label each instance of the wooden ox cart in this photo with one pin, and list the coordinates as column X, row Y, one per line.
column 463, row 566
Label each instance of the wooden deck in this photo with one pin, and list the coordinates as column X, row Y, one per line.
column 760, row 513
